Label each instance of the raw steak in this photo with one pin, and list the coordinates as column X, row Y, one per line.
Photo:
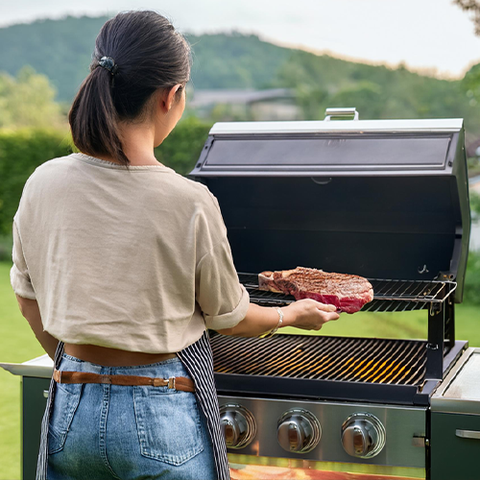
column 349, row 293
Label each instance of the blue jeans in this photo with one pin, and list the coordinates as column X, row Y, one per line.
column 99, row 432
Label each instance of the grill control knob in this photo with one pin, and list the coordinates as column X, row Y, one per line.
column 238, row 425
column 298, row 431
column 363, row 435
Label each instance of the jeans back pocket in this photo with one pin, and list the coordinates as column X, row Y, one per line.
column 168, row 424
column 66, row 400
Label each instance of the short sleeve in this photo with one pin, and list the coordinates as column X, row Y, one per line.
column 223, row 300
column 19, row 276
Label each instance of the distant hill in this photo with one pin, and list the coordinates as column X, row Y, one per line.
column 62, row 50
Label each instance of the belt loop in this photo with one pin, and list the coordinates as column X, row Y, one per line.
column 171, row 382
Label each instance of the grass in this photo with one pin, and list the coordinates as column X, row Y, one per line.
column 18, row 344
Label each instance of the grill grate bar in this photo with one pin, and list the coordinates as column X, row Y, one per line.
column 416, row 369
column 307, row 358
column 357, row 369
column 359, row 360
column 336, row 361
column 235, row 357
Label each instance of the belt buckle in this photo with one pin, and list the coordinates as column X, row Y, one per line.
column 171, row 382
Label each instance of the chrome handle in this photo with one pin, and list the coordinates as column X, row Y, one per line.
column 468, row 434
column 341, row 112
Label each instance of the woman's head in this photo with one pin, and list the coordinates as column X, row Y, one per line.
column 136, row 55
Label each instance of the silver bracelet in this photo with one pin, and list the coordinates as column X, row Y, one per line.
column 279, row 324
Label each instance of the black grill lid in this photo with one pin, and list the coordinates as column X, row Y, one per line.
column 383, row 199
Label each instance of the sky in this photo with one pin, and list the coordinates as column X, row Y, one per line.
column 432, row 36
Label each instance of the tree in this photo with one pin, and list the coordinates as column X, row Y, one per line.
column 28, row 101
column 471, row 6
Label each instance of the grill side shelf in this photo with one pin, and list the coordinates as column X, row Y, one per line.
column 389, row 295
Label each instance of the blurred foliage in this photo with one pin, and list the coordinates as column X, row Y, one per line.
column 470, row 83
column 475, row 204
column 181, row 149
column 28, row 101
column 472, row 278
column 473, row 7
column 234, row 61
column 60, row 49
column 471, row 292
column 21, row 151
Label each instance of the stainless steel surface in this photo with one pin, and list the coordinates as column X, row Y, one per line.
column 238, row 425
column 402, row 425
column 416, row 125
column 420, row 442
column 341, row 112
column 37, row 367
column 466, row 384
column 474, row 435
column 363, row 435
column 460, row 390
column 298, row 431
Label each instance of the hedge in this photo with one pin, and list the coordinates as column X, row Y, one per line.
column 182, row 147
column 21, row 151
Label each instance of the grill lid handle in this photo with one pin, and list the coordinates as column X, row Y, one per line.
column 341, row 113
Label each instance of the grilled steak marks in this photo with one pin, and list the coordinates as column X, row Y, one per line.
column 349, row 293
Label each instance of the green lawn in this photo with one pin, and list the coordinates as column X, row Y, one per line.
column 18, row 344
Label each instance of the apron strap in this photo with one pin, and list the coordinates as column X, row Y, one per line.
column 198, row 360
column 42, row 462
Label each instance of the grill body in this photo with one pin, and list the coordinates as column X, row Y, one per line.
column 387, row 200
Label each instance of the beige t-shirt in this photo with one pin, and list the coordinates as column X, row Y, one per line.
column 132, row 259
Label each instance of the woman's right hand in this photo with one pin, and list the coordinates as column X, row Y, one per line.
column 306, row 314
column 309, row 314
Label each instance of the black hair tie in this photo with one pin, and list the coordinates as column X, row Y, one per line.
column 109, row 64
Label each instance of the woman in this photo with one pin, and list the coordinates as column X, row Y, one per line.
column 121, row 266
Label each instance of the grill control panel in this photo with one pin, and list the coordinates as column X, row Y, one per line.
column 317, row 430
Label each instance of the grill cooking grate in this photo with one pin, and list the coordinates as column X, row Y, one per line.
column 389, row 295
column 394, row 362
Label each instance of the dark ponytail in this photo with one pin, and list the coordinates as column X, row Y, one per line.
column 147, row 54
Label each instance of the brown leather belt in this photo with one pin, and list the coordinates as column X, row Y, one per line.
column 178, row 383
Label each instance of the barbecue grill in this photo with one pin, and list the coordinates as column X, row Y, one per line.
column 384, row 199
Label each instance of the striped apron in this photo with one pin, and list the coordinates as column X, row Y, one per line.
column 198, row 360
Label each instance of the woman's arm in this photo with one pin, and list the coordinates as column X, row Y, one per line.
column 31, row 312
column 306, row 314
